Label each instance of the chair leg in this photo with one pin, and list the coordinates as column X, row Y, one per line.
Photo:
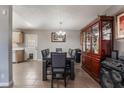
column 65, row 81
column 52, row 81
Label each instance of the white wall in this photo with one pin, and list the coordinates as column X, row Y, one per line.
column 44, row 40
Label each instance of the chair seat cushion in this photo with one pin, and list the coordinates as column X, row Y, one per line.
column 58, row 76
column 59, row 70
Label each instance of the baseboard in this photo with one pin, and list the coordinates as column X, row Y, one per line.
column 6, row 84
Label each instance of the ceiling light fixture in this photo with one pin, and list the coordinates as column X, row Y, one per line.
column 61, row 32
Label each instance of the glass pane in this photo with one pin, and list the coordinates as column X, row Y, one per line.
column 31, row 41
column 83, row 41
column 88, row 41
column 106, row 30
column 95, row 39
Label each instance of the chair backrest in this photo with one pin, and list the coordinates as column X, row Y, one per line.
column 59, row 50
column 44, row 54
column 58, row 60
column 73, row 53
column 47, row 51
column 70, row 51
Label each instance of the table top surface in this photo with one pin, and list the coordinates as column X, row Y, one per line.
column 67, row 57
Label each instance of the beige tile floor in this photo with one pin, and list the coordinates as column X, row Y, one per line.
column 29, row 75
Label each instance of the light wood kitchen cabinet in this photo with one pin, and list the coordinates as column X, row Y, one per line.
column 18, row 37
column 18, row 55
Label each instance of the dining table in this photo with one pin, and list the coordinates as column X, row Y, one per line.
column 69, row 58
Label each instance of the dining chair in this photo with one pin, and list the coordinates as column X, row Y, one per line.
column 58, row 67
column 44, row 54
column 47, row 51
column 69, row 51
column 47, row 62
column 68, row 62
column 73, row 52
column 59, row 50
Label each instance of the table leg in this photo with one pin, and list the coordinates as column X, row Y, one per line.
column 44, row 71
column 72, row 71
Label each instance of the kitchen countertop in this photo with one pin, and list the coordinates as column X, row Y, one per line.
column 14, row 49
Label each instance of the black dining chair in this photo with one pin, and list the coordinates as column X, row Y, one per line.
column 73, row 52
column 47, row 51
column 59, row 50
column 44, row 54
column 58, row 67
column 48, row 62
column 70, row 51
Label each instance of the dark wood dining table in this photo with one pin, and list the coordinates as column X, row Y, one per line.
column 48, row 58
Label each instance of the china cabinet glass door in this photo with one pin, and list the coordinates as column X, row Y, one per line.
column 106, row 30
column 83, row 41
column 95, row 39
column 88, row 41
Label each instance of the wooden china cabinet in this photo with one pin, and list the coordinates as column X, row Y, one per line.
column 96, row 42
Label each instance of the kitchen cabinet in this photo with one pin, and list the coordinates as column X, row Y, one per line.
column 18, row 37
column 18, row 55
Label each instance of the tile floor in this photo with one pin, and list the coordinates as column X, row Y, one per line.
column 29, row 75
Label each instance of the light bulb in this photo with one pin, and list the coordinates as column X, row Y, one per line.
column 58, row 33
column 63, row 33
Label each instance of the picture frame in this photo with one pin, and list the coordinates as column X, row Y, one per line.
column 57, row 38
column 120, row 25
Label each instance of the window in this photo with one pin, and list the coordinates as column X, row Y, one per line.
column 31, row 41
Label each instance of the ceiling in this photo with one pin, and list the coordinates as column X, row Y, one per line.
column 48, row 17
